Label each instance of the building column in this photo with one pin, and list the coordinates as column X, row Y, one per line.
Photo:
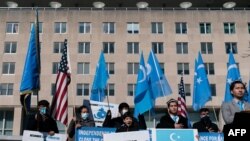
column 17, row 120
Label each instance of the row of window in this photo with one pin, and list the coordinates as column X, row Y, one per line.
column 83, row 89
column 132, row 47
column 8, row 68
column 132, row 27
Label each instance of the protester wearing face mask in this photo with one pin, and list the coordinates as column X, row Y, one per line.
column 205, row 124
column 116, row 122
column 128, row 123
column 82, row 120
column 42, row 121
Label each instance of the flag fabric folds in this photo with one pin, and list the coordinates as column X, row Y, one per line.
column 158, row 83
column 202, row 91
column 59, row 106
column 233, row 74
column 30, row 79
column 100, row 80
column 142, row 99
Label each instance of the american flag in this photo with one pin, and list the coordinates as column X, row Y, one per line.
column 182, row 109
column 59, row 107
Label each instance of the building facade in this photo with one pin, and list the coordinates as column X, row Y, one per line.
column 175, row 36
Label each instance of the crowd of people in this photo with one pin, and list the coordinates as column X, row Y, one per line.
column 43, row 122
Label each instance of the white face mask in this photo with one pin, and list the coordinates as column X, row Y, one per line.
column 124, row 111
column 84, row 115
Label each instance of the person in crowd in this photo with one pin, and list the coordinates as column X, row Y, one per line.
column 116, row 122
column 205, row 124
column 128, row 123
column 171, row 119
column 82, row 119
column 237, row 89
column 42, row 121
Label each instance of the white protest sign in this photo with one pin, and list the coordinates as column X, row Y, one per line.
column 99, row 111
column 128, row 136
column 39, row 136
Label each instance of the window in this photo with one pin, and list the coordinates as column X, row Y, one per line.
column 82, row 89
column 8, row 68
column 110, row 90
column 133, row 68
column 109, row 47
column 157, row 27
column 110, row 68
column 249, row 28
column 84, row 47
column 109, row 27
column 12, row 27
column 6, row 122
column 6, row 89
column 229, row 28
column 206, row 48
column 131, row 89
column 84, row 27
column 157, row 47
column 187, row 89
column 183, row 68
column 10, row 47
column 60, row 27
column 58, row 47
column 181, row 28
column 205, row 28
column 231, row 47
column 83, row 68
column 132, row 47
column 209, row 68
column 182, row 48
column 162, row 67
column 213, row 89
column 40, row 26
column 53, row 89
column 133, row 28
column 55, row 67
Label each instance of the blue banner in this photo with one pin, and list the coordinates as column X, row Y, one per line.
column 207, row 136
column 92, row 133
column 175, row 135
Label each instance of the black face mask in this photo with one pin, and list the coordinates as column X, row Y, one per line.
column 206, row 120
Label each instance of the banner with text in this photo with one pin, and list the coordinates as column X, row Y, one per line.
column 128, row 136
column 92, row 133
column 210, row 136
column 39, row 136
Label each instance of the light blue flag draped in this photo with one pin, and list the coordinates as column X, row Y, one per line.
column 30, row 78
column 202, row 86
column 142, row 100
column 233, row 74
column 158, row 83
column 100, row 80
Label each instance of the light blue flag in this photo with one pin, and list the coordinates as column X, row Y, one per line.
column 233, row 74
column 100, row 80
column 30, row 78
column 158, row 83
column 194, row 104
column 202, row 86
column 142, row 100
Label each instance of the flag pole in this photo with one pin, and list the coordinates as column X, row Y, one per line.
column 215, row 116
column 36, row 24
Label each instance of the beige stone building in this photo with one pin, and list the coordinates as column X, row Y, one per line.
column 175, row 35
